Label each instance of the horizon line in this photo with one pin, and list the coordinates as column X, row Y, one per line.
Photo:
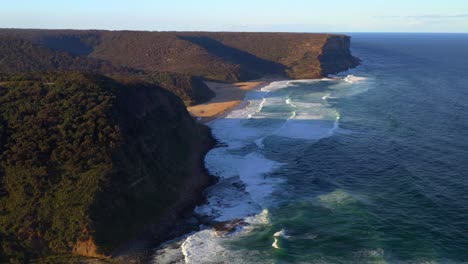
column 234, row 31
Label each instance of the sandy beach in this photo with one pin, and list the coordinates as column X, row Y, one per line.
column 228, row 96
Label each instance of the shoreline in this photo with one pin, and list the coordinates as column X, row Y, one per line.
column 218, row 107
column 172, row 250
column 179, row 221
column 228, row 97
column 144, row 248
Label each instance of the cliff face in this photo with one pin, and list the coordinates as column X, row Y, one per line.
column 88, row 162
column 336, row 55
column 158, row 168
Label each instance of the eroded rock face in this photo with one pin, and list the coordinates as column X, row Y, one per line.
column 336, row 55
column 87, row 248
column 227, row 227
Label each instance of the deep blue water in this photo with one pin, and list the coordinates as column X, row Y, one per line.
column 406, row 159
column 368, row 169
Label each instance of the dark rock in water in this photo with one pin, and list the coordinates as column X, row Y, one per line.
column 239, row 185
column 224, row 228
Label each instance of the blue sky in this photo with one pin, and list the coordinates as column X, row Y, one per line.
column 240, row 15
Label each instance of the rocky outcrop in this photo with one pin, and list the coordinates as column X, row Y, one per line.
column 336, row 55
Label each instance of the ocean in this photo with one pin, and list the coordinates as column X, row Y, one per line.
column 368, row 166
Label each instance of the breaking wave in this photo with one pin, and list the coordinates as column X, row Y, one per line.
column 245, row 166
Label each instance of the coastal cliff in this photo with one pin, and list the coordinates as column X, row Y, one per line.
column 336, row 55
column 87, row 163
column 96, row 144
column 218, row 56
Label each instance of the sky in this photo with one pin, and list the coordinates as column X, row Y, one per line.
column 239, row 15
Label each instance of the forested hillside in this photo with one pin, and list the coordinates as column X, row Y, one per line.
column 23, row 57
column 222, row 56
column 87, row 162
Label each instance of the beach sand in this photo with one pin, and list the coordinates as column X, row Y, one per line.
column 228, row 96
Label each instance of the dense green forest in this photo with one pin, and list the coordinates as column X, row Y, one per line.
column 176, row 61
column 84, row 157
column 20, row 57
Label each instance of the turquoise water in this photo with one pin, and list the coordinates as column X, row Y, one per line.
column 368, row 167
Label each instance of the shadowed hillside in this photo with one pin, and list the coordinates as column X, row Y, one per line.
column 87, row 162
column 251, row 66
column 19, row 56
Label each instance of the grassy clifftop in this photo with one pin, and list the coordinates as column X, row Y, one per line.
column 86, row 162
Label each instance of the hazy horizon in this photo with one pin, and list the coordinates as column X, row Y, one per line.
column 241, row 16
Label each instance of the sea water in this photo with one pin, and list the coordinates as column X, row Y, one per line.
column 369, row 166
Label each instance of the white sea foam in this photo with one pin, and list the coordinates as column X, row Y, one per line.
column 276, row 236
column 328, row 97
column 289, row 102
column 263, row 218
column 202, row 247
column 277, row 85
column 227, row 201
column 275, row 243
column 246, row 183
column 281, row 233
column 354, row 79
column 206, row 246
column 336, row 124
column 261, row 105
column 293, row 115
